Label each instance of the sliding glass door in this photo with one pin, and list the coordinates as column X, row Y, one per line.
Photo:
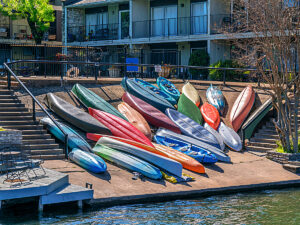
column 199, row 18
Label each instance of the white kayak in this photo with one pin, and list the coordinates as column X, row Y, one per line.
column 216, row 134
column 162, row 162
column 230, row 137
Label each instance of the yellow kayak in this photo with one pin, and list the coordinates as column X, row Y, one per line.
column 189, row 91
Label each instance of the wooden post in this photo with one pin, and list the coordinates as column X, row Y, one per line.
column 41, row 206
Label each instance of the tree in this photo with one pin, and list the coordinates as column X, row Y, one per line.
column 267, row 36
column 199, row 58
column 38, row 14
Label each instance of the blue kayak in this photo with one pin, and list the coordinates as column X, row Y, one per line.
column 221, row 156
column 167, row 87
column 191, row 128
column 88, row 160
column 215, row 97
column 156, row 90
column 132, row 87
column 198, row 153
column 74, row 139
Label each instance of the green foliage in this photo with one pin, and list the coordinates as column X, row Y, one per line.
column 230, row 74
column 199, row 58
column 39, row 14
column 281, row 149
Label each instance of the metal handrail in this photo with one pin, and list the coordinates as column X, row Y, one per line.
column 34, row 100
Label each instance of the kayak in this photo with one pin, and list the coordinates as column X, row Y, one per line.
column 211, row 115
column 156, row 90
column 186, row 161
column 241, row 107
column 191, row 128
column 135, row 118
column 221, row 156
column 74, row 115
column 168, row 87
column 188, row 108
column 157, row 160
column 88, row 160
column 128, row 161
column 74, row 139
column 131, row 86
column 230, row 137
column 199, row 154
column 151, row 114
column 216, row 134
column 215, row 98
column 190, row 92
column 90, row 99
column 120, row 127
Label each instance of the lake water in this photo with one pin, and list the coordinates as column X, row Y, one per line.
column 266, row 207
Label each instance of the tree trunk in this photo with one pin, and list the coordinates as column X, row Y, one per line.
column 296, row 137
column 37, row 34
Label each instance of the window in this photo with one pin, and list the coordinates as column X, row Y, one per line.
column 95, row 22
column 199, row 18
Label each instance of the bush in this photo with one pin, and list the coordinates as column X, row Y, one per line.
column 283, row 150
column 230, row 74
column 199, row 58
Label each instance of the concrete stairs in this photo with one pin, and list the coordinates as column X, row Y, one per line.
column 265, row 138
column 14, row 115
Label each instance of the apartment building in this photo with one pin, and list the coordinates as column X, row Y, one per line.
column 150, row 25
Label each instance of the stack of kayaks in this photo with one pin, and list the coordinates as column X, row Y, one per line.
column 216, row 134
column 191, row 93
column 74, row 115
column 156, row 91
column 230, row 137
column 215, row 97
column 90, row 99
column 136, row 89
column 188, row 108
column 167, row 87
column 210, row 115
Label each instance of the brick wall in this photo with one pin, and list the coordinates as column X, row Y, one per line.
column 11, row 139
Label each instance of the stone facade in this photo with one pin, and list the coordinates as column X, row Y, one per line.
column 10, row 140
column 76, row 22
column 283, row 157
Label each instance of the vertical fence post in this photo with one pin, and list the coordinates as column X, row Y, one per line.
column 33, row 110
column 8, row 79
column 224, row 77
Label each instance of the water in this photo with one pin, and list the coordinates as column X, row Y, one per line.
column 267, row 207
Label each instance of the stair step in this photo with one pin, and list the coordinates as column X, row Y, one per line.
column 40, row 146
column 13, row 118
column 267, row 131
column 5, row 91
column 258, row 148
column 262, row 144
column 6, row 100
column 21, row 122
column 38, row 141
column 24, row 127
column 35, row 136
column 7, row 110
column 33, row 132
column 11, row 104
column 16, row 114
column 48, row 157
column 264, row 140
column 41, row 152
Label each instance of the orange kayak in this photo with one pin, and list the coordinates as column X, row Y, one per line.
column 135, row 118
column 211, row 115
column 186, row 161
column 241, row 107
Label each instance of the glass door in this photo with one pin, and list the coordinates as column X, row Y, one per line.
column 157, row 23
column 199, row 18
column 124, row 24
column 171, row 20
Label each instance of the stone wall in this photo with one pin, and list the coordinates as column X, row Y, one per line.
column 76, row 22
column 283, row 157
column 11, row 140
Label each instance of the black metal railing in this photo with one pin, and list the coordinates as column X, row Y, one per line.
column 34, row 101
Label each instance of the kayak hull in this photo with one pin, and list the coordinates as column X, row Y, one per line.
column 190, row 92
column 216, row 134
column 211, row 115
column 215, row 98
column 168, row 87
column 230, row 137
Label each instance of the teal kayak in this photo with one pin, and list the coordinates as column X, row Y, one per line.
column 90, row 99
column 156, row 90
column 168, row 87
column 127, row 161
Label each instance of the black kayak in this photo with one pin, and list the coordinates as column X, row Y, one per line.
column 74, row 115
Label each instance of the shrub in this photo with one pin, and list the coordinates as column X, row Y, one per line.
column 283, row 150
column 199, row 58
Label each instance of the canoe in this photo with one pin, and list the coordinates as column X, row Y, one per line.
column 211, row 115
column 145, row 94
column 255, row 118
column 241, row 107
column 162, row 162
column 168, row 87
column 230, row 137
column 135, row 118
column 190, row 128
column 74, row 139
column 188, row 108
column 216, row 151
column 216, row 134
column 128, row 161
column 88, row 160
column 120, row 127
column 195, row 152
column 156, row 90
column 215, row 98
column 189, row 90
column 186, row 161
column 90, row 99
column 151, row 114
column 74, row 115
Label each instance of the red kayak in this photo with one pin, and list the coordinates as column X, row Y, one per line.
column 150, row 113
column 241, row 107
column 211, row 115
column 119, row 127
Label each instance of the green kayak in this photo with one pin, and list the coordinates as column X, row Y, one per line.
column 188, row 108
column 92, row 100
